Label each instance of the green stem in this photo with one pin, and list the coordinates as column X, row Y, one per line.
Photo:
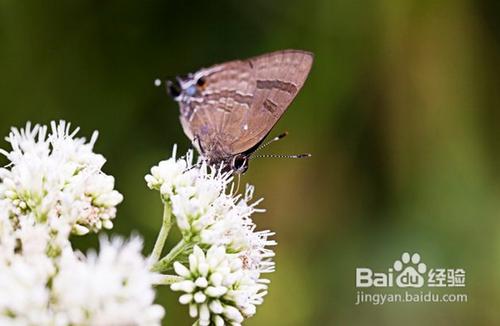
column 168, row 279
column 162, row 236
column 166, row 262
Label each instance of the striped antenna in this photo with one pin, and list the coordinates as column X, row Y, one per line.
column 281, row 156
column 275, row 139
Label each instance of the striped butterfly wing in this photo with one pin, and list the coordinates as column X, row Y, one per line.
column 227, row 91
column 242, row 100
column 277, row 79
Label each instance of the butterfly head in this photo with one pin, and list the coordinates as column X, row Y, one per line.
column 185, row 87
column 239, row 163
column 174, row 89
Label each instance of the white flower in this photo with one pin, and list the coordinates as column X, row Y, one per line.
column 30, row 240
column 233, row 227
column 54, row 174
column 23, row 293
column 193, row 207
column 217, row 288
column 7, row 240
column 25, row 270
column 40, row 287
column 52, row 186
column 172, row 174
column 224, row 285
column 113, row 287
column 190, row 189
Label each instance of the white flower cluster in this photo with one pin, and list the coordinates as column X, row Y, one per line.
column 53, row 175
column 218, row 287
column 52, row 186
column 109, row 288
column 222, row 283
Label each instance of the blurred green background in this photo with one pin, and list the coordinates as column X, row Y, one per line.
column 400, row 111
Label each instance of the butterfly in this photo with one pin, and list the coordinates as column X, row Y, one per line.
column 227, row 110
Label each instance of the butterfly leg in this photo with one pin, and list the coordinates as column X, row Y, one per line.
column 197, row 144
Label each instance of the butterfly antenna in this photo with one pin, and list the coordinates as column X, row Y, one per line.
column 281, row 156
column 158, row 81
column 275, row 139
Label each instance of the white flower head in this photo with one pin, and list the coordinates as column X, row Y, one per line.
column 190, row 189
column 222, row 285
column 24, row 295
column 172, row 174
column 113, row 287
column 53, row 174
column 217, row 288
column 233, row 227
column 7, row 240
column 53, row 186
column 25, row 269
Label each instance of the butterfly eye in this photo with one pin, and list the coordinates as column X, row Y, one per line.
column 239, row 163
column 201, row 82
column 173, row 89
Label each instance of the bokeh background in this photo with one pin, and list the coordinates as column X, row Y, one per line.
column 401, row 113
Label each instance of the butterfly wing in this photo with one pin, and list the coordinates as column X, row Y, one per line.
column 277, row 79
column 227, row 91
column 242, row 100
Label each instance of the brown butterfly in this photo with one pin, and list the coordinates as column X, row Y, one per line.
column 227, row 110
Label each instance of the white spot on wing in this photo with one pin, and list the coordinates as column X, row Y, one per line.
column 157, row 82
column 245, row 127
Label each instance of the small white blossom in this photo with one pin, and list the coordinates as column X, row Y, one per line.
column 173, row 174
column 7, row 240
column 24, row 295
column 113, row 287
column 217, row 288
column 232, row 226
column 25, row 269
column 53, row 174
column 190, row 189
